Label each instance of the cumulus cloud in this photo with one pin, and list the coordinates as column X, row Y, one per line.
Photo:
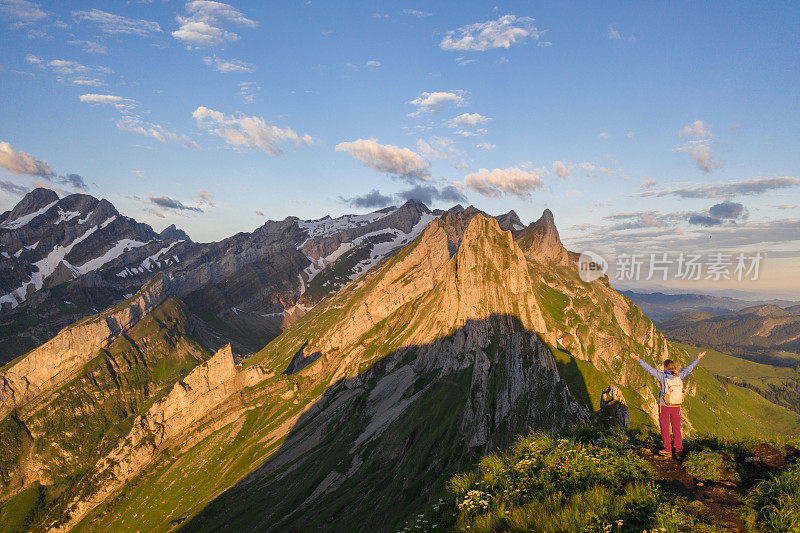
column 699, row 145
column 438, row 148
column 205, row 197
column 400, row 163
column 205, row 21
column 248, row 131
column 696, row 130
column 469, row 120
column 108, row 99
column 560, row 169
column 428, row 194
column 12, row 188
column 19, row 162
column 482, row 36
column 116, row 24
column 234, row 65
column 723, row 190
column 727, row 210
column 90, row 47
column 369, row 200
column 486, row 146
column 21, row 12
column 510, row 181
column 434, row 102
column 372, row 64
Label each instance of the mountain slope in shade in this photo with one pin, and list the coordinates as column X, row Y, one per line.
column 449, row 349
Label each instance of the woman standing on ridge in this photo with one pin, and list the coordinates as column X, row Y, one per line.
column 670, row 399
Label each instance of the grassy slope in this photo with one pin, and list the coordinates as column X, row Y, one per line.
column 84, row 417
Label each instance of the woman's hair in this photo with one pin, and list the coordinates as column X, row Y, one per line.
column 670, row 365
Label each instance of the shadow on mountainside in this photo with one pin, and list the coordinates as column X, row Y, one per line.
column 376, row 448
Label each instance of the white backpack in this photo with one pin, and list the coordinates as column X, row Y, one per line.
column 673, row 393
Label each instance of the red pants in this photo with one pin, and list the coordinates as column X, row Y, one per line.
column 671, row 416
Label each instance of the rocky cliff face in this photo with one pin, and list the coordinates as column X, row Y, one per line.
column 57, row 361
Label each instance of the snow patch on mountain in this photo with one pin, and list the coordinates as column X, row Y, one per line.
column 65, row 216
column 121, row 246
column 24, row 219
column 45, row 267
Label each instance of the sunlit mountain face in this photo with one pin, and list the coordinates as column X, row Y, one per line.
column 297, row 267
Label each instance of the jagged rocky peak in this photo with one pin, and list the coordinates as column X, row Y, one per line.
column 540, row 241
column 172, row 232
column 510, row 221
column 35, row 200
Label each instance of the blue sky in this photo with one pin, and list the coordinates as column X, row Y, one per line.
column 645, row 127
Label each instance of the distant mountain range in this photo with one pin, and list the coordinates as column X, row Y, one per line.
column 661, row 307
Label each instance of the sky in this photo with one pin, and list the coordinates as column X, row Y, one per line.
column 647, row 128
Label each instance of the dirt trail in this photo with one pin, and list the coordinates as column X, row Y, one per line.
column 720, row 499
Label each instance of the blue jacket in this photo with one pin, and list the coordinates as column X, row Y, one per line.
column 661, row 376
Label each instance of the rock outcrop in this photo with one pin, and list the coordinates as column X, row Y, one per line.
column 541, row 242
column 56, row 361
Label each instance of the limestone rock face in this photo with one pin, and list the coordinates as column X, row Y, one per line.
column 541, row 242
column 190, row 400
column 57, row 360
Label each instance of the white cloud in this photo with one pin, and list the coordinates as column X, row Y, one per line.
column 561, row 169
column 469, row 120
column 220, row 65
column 71, row 71
column 158, row 132
column 18, row 162
column 90, row 47
column 486, row 146
column 434, row 102
column 117, row 24
column 417, row 13
column 699, row 145
column 604, row 135
column 463, row 61
column 510, row 181
column 372, row 64
column 204, row 25
column 22, row 12
column 544, row 44
column 615, row 35
column 438, row 148
column 701, row 153
column 401, row 163
column 482, row 36
column 247, row 90
column 722, row 190
column 697, row 130
column 108, row 99
column 248, row 131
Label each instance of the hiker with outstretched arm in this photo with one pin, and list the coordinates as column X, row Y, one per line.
column 670, row 399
